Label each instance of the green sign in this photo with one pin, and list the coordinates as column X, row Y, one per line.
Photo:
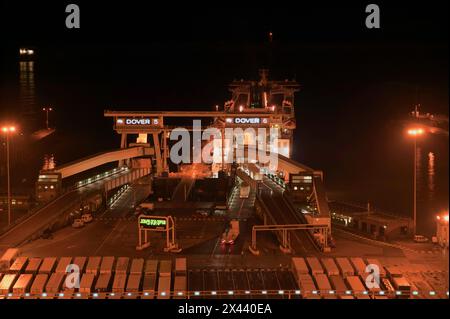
column 152, row 222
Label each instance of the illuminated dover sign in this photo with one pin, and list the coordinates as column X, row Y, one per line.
column 247, row 120
column 142, row 121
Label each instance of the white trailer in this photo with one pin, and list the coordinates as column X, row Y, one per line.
column 93, row 265
column 55, row 283
column 314, row 265
column 137, row 266
column 7, row 258
column 324, row 286
column 244, row 190
column 179, row 287
column 331, row 269
column 81, row 263
column 345, row 267
column 149, row 286
column 340, row 288
column 122, row 265
column 164, row 287
column 33, row 265
column 7, row 283
column 180, row 266
column 107, row 265
column 48, row 265
column 359, row 265
column 299, row 266
column 307, row 287
column 103, row 285
column 133, row 285
column 62, row 264
column 356, row 286
column 151, row 266
column 38, row 286
column 18, row 265
column 165, row 268
column 86, row 285
column 23, row 284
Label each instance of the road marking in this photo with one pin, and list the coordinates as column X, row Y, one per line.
column 107, row 237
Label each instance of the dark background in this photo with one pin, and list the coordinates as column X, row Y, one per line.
column 358, row 85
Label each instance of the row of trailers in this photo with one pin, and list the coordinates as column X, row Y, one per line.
column 100, row 277
column 346, row 278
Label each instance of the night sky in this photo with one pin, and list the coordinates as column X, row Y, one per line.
column 356, row 84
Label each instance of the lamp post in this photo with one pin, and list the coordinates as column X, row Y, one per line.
column 46, row 110
column 7, row 130
column 415, row 132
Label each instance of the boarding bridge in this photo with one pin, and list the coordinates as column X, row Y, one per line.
column 49, row 184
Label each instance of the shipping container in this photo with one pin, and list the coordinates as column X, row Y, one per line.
column 359, row 265
column 331, row 269
column 93, row 265
column 7, row 283
column 356, row 286
column 179, row 287
column 307, row 287
column 120, row 282
column 23, row 284
column 345, row 267
column 7, row 258
column 107, row 265
column 38, row 286
column 62, row 264
column 151, row 266
column 137, row 266
column 314, row 265
column 180, row 266
column 149, row 286
column 165, row 268
column 33, row 265
column 164, row 286
column 324, row 286
column 48, row 265
column 122, row 265
column 81, row 263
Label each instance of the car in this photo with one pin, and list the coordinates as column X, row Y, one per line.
column 420, row 239
column 78, row 223
column 87, row 218
column 202, row 212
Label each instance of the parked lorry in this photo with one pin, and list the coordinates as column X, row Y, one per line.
column 244, row 190
column 7, row 259
column 307, row 287
column 231, row 233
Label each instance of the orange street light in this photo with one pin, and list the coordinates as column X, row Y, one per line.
column 7, row 130
column 416, row 131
